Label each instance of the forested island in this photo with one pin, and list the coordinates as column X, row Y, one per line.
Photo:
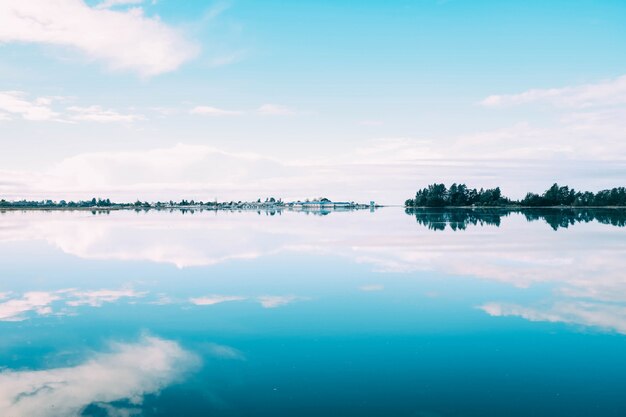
column 459, row 195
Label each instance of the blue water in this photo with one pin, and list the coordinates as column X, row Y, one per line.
column 346, row 314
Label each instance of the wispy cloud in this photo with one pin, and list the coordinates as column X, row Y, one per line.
column 274, row 301
column 604, row 93
column 97, row 298
column 101, row 115
column 17, row 308
column 225, row 352
column 124, row 40
column 263, row 110
column 372, row 287
column 215, row 299
column 107, row 4
column 604, row 316
column 34, row 301
column 214, row 111
column 275, row 110
column 16, row 103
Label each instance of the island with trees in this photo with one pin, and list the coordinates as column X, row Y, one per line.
column 459, row 195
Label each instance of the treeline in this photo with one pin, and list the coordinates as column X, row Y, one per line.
column 96, row 203
column 459, row 195
column 54, row 204
column 565, row 196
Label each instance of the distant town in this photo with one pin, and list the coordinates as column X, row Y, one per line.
column 310, row 205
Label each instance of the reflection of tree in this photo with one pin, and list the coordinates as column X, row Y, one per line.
column 459, row 219
column 563, row 218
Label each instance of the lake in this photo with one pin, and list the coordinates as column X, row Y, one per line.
column 364, row 313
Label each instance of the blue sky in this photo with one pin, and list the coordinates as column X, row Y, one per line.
column 239, row 99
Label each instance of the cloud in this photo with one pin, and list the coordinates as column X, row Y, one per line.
column 275, row 110
column 124, row 40
column 274, row 301
column 100, row 115
column 40, row 302
column 16, row 103
column 225, row 352
column 605, row 316
column 263, row 110
column 107, row 4
column 372, row 287
column 127, row 373
column 214, row 111
column 35, row 301
column 215, row 299
column 604, row 93
column 98, row 297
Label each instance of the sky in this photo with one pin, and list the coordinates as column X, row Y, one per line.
column 351, row 100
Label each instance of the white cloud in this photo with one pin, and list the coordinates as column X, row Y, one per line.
column 225, row 352
column 273, row 301
column 16, row 103
column 107, row 4
column 124, row 40
column 214, row 111
column 215, row 299
column 275, row 110
column 40, row 302
column 372, row 287
column 98, row 297
column 127, row 373
column 98, row 114
column 604, row 316
column 263, row 110
column 608, row 92
column 35, row 301
column 40, row 109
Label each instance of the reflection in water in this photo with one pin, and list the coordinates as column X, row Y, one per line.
column 18, row 307
column 126, row 374
column 271, row 303
column 459, row 219
column 587, row 313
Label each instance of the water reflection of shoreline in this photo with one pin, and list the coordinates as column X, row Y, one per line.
column 461, row 218
column 582, row 266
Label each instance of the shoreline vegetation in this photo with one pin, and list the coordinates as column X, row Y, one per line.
column 461, row 196
column 269, row 204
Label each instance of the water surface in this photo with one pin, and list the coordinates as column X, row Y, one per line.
column 421, row 313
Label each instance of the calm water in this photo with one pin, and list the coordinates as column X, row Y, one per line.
column 348, row 314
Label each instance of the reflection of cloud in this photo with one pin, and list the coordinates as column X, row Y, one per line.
column 267, row 301
column 99, row 297
column 225, row 352
column 606, row 316
column 127, row 373
column 372, row 287
column 585, row 262
column 40, row 302
column 215, row 299
column 273, row 301
column 37, row 301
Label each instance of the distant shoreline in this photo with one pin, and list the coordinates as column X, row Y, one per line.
column 286, row 208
